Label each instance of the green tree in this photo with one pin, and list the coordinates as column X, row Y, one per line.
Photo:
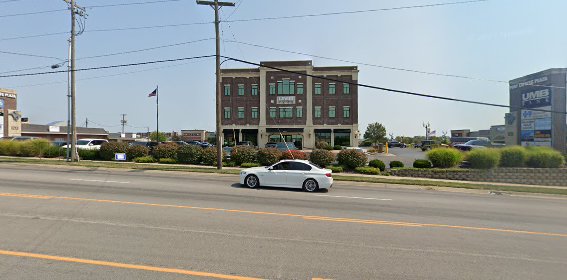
column 160, row 138
column 376, row 133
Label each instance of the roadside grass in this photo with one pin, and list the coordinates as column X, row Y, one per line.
column 363, row 179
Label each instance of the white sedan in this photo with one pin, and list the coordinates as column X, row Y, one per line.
column 290, row 174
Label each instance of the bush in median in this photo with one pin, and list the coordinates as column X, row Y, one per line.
column 107, row 150
column 322, row 157
column 190, row 154
column 209, row 156
column 396, row 164
column 268, row 156
column 167, row 160
column 136, row 151
column 249, row 164
column 422, row 163
column 244, row 154
column 88, row 154
column 54, row 151
column 376, row 163
column 367, row 170
column 34, row 148
column 336, row 169
column 515, row 156
column 445, row 157
column 352, row 158
column 294, row 154
column 542, row 157
column 10, row 148
column 483, row 158
column 165, row 150
column 146, row 159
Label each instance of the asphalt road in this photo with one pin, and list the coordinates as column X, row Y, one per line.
column 61, row 223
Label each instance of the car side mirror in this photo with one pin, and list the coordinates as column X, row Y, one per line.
column 270, row 168
column 90, row 144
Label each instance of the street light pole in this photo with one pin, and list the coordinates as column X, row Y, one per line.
column 215, row 5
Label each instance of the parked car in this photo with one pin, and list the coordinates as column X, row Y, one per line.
column 285, row 146
column 289, row 174
column 271, row 145
column 396, row 144
column 206, row 145
column 477, row 144
column 196, row 143
column 245, row 143
column 149, row 145
column 228, row 151
column 429, row 145
column 89, row 144
column 180, row 143
column 20, row 138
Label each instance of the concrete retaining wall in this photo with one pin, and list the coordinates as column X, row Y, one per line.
column 526, row 176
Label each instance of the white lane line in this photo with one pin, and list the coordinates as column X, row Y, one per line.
column 100, row 181
column 355, row 197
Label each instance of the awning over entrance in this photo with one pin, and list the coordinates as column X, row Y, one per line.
column 283, row 130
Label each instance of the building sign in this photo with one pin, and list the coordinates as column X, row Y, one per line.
column 14, row 123
column 538, row 98
column 1, row 104
column 1, row 126
column 286, row 100
column 120, row 156
column 535, row 124
column 8, row 95
column 53, row 128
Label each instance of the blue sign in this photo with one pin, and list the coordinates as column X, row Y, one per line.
column 1, row 103
column 527, row 135
column 120, row 156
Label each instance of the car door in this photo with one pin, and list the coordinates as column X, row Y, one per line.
column 297, row 174
column 275, row 176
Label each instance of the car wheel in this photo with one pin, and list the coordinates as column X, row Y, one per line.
column 252, row 181
column 310, row 185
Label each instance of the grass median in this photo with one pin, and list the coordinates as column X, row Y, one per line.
column 337, row 177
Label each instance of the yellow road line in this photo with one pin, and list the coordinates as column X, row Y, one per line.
column 124, row 265
column 305, row 217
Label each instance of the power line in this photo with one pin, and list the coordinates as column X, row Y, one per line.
column 249, row 20
column 390, row 89
column 30, row 55
column 107, row 67
column 384, row 66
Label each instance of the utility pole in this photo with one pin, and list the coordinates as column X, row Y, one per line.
column 216, row 5
column 75, row 10
column 86, row 122
column 123, row 122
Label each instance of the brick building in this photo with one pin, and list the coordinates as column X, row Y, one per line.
column 10, row 118
column 193, row 135
column 265, row 105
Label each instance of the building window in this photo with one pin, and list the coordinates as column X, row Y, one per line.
column 241, row 112
column 280, row 87
column 272, row 88
column 331, row 111
column 346, row 88
column 323, row 137
column 317, row 88
column 346, row 111
column 254, row 112
column 299, row 112
column 332, row 88
column 227, row 89
column 286, row 87
column 273, row 112
column 227, row 113
column 254, row 89
column 240, row 89
column 317, row 111
column 286, row 112
column 299, row 88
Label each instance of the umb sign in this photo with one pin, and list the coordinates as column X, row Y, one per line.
column 120, row 157
column 538, row 98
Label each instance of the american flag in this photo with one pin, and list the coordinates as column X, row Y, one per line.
column 154, row 93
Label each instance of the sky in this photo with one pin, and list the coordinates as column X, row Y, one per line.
column 491, row 42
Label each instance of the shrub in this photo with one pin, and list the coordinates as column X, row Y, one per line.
column 337, row 147
column 209, row 156
column 294, row 154
column 107, row 150
column 322, row 157
column 244, row 154
column 249, row 164
column 9, row 148
column 396, row 164
column 167, row 160
column 422, row 163
column 136, row 151
column 27, row 150
column 540, row 157
column 367, row 170
column 336, row 169
column 352, row 158
column 513, row 156
column 146, row 159
column 268, row 156
column 189, row 154
column 54, row 151
column 376, row 163
column 88, row 154
column 166, row 150
column 483, row 158
column 444, row 157
column 34, row 148
column 322, row 145
column 229, row 164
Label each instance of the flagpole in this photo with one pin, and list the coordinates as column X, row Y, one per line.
column 157, row 114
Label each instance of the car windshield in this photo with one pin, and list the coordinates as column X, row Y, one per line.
column 83, row 142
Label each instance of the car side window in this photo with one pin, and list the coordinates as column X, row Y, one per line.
column 299, row 166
